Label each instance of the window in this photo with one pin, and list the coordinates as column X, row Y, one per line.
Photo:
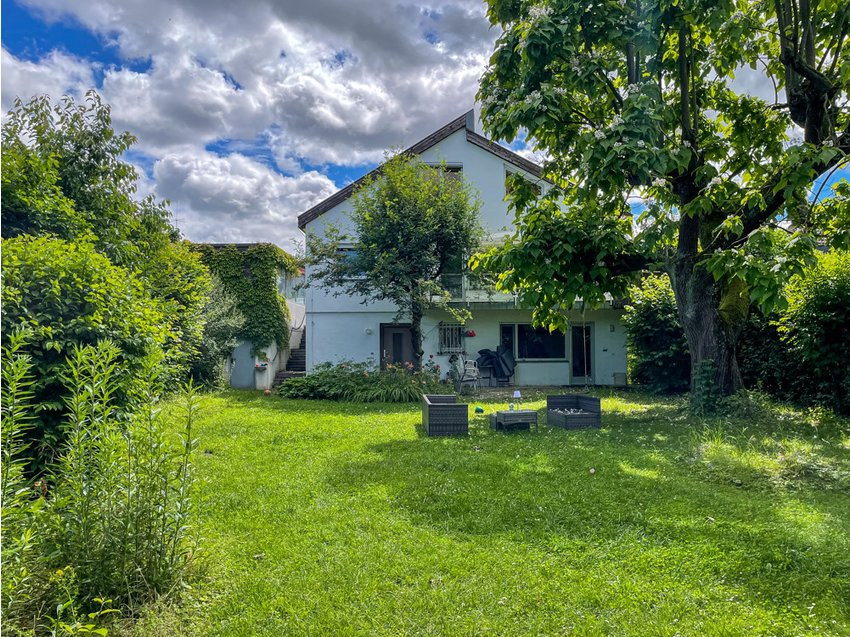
column 451, row 338
column 533, row 343
column 510, row 176
column 506, row 338
column 349, row 254
column 452, row 171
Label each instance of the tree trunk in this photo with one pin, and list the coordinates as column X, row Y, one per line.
column 712, row 318
column 416, row 313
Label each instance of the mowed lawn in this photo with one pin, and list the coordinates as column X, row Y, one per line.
column 323, row 518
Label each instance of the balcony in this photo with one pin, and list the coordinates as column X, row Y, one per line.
column 468, row 291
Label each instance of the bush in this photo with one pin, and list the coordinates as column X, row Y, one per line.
column 764, row 359
column 658, row 351
column 111, row 518
column 223, row 324
column 67, row 295
column 816, row 328
column 361, row 382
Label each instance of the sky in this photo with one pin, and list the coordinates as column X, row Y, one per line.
column 248, row 112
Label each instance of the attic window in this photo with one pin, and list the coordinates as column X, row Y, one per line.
column 509, row 174
column 453, row 171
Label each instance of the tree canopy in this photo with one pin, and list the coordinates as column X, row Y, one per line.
column 411, row 225
column 639, row 99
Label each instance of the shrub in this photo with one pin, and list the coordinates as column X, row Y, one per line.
column 816, row 328
column 179, row 282
column 222, row 324
column 111, row 517
column 764, row 359
column 64, row 175
column 361, row 382
column 67, row 295
column 657, row 347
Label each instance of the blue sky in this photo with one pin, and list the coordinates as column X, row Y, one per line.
column 248, row 113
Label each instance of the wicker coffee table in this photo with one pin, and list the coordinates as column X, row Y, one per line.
column 516, row 419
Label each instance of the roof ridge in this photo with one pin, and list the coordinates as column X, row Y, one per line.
column 462, row 122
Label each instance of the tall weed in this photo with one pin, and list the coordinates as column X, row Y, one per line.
column 111, row 517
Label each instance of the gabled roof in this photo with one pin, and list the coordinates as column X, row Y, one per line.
column 464, row 121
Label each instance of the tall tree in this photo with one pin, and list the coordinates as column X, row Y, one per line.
column 411, row 225
column 65, row 174
column 637, row 97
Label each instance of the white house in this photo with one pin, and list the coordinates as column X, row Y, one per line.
column 342, row 328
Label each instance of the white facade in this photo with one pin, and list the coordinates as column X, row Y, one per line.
column 343, row 328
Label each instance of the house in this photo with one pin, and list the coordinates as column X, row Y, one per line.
column 342, row 328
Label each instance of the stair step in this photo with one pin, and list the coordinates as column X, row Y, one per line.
column 282, row 377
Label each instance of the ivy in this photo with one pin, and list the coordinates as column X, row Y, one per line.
column 250, row 276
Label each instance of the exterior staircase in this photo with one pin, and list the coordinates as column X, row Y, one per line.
column 296, row 366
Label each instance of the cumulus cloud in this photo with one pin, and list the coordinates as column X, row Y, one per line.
column 234, row 198
column 326, row 82
column 55, row 74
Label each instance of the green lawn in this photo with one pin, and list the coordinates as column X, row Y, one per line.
column 341, row 519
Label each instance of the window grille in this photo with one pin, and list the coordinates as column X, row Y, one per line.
column 451, row 338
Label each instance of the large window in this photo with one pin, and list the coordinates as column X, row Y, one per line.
column 533, row 343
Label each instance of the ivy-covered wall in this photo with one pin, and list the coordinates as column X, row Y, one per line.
column 249, row 273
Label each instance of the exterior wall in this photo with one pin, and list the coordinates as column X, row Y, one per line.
column 608, row 355
column 338, row 336
column 485, row 171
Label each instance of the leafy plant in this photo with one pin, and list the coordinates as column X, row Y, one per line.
column 816, row 328
column 413, row 224
column 362, row 382
column 65, row 176
column 67, row 295
column 250, row 276
column 122, row 491
column 638, row 98
column 657, row 346
column 223, row 322
column 112, row 514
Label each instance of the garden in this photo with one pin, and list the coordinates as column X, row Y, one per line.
column 140, row 497
column 325, row 517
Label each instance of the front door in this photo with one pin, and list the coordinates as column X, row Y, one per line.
column 582, row 354
column 396, row 344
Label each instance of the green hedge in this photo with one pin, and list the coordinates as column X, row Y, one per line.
column 69, row 295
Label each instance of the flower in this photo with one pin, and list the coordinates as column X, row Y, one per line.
column 641, row 143
column 715, row 182
column 659, row 182
column 536, row 12
column 599, row 134
column 616, row 121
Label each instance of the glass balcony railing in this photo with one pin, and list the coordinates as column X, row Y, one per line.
column 465, row 289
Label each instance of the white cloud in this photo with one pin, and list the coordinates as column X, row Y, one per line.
column 234, row 198
column 319, row 82
column 56, row 74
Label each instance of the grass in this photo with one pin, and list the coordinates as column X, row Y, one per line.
column 342, row 519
